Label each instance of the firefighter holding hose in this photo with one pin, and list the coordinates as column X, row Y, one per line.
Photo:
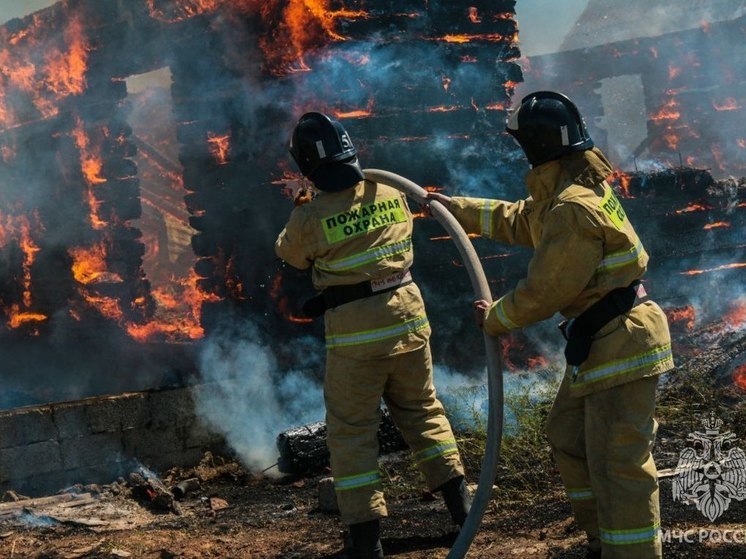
column 587, row 264
column 356, row 237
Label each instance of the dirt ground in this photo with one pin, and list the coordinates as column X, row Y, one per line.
column 234, row 514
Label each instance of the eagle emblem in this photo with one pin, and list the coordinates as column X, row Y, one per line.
column 711, row 471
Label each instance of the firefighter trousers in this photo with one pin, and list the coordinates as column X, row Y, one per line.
column 602, row 446
column 352, row 392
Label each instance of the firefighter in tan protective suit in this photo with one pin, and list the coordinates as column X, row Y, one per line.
column 356, row 236
column 587, row 264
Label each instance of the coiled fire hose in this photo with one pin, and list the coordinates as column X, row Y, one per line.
column 479, row 283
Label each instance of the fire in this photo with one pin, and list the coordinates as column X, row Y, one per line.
column 669, row 111
column 673, row 71
column 684, row 315
column 219, row 146
column 697, row 207
column 474, row 15
column 282, row 302
column 65, row 72
column 736, row 317
column 624, row 181
column 446, row 83
column 739, row 377
column 720, row 268
column 444, row 109
column 716, row 225
column 16, row 318
column 729, row 104
column 178, row 312
column 496, row 107
column 89, row 265
column 91, row 165
column 468, row 38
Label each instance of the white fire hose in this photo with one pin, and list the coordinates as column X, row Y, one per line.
column 479, row 283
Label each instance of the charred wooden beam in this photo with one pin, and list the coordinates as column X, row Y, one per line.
column 303, row 449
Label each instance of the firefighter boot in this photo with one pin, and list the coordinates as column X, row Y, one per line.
column 366, row 540
column 457, row 498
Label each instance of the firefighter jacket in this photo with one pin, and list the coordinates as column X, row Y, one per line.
column 363, row 233
column 584, row 246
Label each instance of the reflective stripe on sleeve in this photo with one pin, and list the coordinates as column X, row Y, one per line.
column 357, row 481
column 485, row 217
column 503, row 318
column 627, row 365
column 371, row 336
column 580, row 494
column 627, row 537
column 366, row 257
column 621, row 258
column 435, row 451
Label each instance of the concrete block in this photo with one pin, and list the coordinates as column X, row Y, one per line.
column 118, row 413
column 200, row 435
column 30, row 460
column 141, row 443
column 71, row 420
column 93, row 450
column 171, row 408
column 26, row 426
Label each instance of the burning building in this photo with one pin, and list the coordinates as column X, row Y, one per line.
column 136, row 223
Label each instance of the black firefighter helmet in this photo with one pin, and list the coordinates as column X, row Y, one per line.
column 324, row 153
column 547, row 125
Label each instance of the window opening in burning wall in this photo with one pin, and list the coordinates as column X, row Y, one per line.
column 624, row 117
column 168, row 261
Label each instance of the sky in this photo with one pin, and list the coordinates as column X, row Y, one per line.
column 541, row 29
column 17, row 8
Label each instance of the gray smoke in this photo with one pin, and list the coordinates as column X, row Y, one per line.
column 249, row 399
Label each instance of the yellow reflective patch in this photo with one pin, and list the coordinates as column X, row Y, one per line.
column 613, row 208
column 363, row 218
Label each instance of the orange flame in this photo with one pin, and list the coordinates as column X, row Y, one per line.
column 624, row 181
column 446, row 83
column 89, row 265
column 669, row 111
column 91, row 165
column 16, row 318
column 696, row 207
column 474, row 15
column 65, row 72
column 736, row 317
column 685, row 315
column 443, row 109
column 29, row 248
column 720, row 268
column 219, row 146
column 716, row 225
column 468, row 38
column 739, row 377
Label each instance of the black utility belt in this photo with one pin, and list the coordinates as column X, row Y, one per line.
column 337, row 295
column 579, row 331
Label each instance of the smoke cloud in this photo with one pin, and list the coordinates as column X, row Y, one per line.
column 249, row 399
